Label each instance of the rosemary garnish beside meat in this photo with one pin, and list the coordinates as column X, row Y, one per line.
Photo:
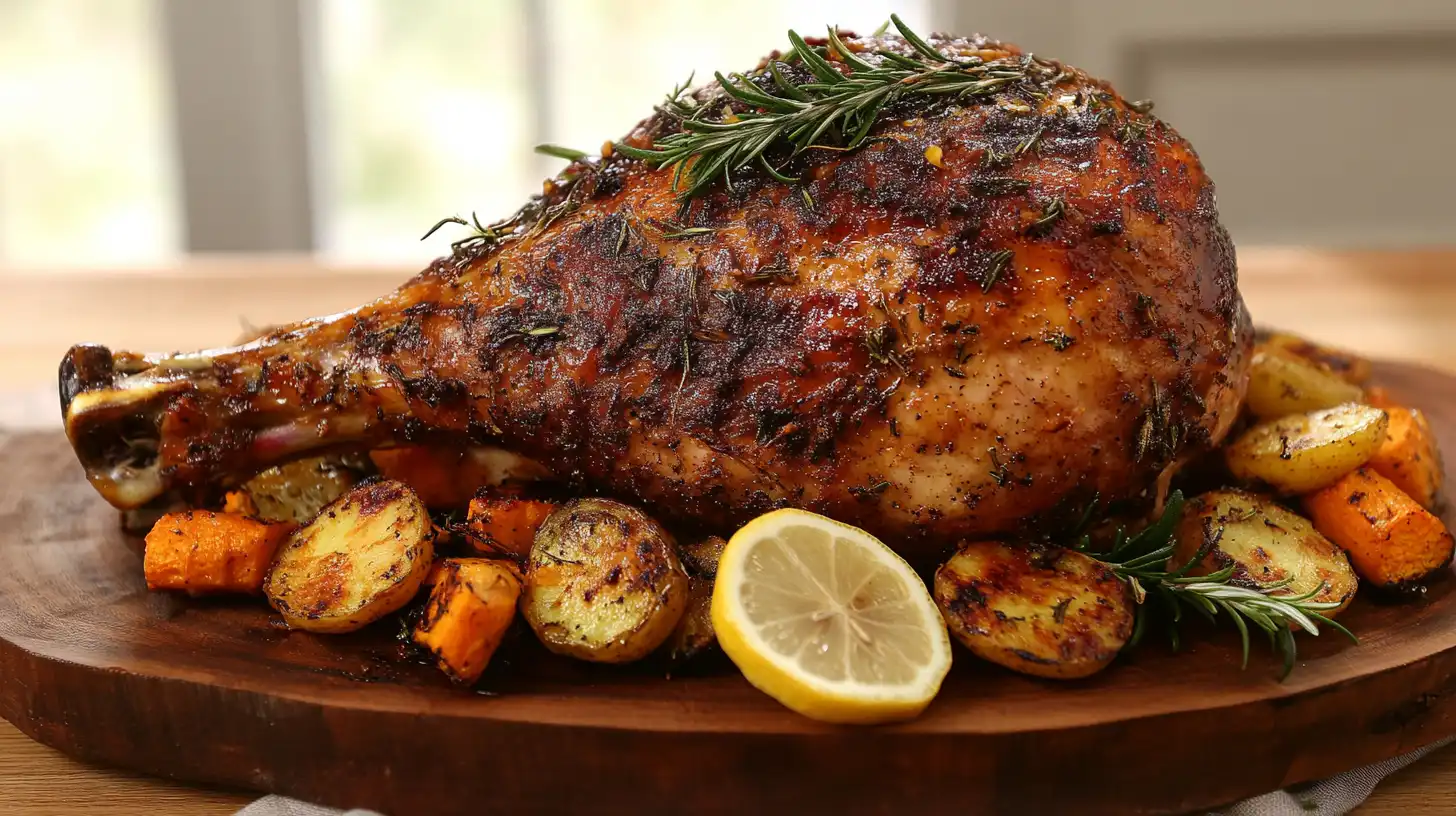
column 1142, row 561
column 835, row 109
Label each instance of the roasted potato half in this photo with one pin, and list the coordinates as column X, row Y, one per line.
column 1281, row 383
column 361, row 558
column 604, row 582
column 1048, row 612
column 1304, row 452
column 297, row 491
column 1265, row 544
column 1350, row 367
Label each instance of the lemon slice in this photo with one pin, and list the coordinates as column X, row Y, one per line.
column 829, row 621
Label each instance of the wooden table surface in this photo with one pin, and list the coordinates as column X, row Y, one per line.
column 1394, row 305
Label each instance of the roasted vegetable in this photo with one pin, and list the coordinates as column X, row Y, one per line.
column 604, row 583
column 1265, row 544
column 1350, row 367
column 239, row 503
column 298, row 490
column 1281, row 384
column 1409, row 456
column 701, row 556
column 362, row 558
column 447, row 478
column 694, row 633
column 1048, row 612
column 470, row 608
column 1379, row 396
column 202, row 552
column 1393, row 542
column 1305, row 452
column 504, row 522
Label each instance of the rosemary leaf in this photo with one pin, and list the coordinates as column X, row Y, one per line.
column 570, row 154
column 836, row 109
column 1142, row 561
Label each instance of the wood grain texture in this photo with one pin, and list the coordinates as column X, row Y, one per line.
column 215, row 692
column 36, row 780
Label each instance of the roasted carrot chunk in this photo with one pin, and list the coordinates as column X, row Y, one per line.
column 503, row 522
column 1392, row 540
column 1409, row 456
column 1377, row 396
column 447, row 478
column 441, row 477
column 240, row 503
column 202, row 552
column 470, row 608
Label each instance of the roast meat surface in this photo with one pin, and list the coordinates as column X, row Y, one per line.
column 990, row 313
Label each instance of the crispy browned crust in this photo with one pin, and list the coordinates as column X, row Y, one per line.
column 838, row 351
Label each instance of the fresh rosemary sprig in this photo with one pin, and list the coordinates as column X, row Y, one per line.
column 1142, row 561
column 833, row 110
column 569, row 153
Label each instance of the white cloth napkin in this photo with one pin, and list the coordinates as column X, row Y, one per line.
column 1335, row 796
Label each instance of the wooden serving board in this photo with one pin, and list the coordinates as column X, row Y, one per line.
column 217, row 692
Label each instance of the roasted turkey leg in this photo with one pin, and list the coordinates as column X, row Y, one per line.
column 991, row 312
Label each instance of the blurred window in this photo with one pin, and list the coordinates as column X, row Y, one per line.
column 433, row 108
column 424, row 108
column 85, row 169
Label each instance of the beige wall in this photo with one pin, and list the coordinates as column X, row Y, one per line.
column 1323, row 122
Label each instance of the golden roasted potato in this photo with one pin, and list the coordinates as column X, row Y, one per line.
column 701, row 556
column 604, row 582
column 1350, row 367
column 1281, row 384
column 1305, row 452
column 361, row 558
column 1393, row 542
column 694, row 633
column 1048, row 612
column 1265, row 544
column 298, row 490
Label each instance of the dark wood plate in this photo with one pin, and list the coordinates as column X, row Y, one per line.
column 218, row 693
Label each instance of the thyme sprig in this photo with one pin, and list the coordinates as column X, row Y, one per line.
column 1142, row 560
column 835, row 109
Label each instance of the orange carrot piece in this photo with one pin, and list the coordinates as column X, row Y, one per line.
column 202, row 552
column 470, row 608
column 441, row 477
column 240, row 503
column 503, row 522
column 1377, row 396
column 1409, row 456
column 1392, row 540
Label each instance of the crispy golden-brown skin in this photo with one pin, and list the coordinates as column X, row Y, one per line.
column 837, row 344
